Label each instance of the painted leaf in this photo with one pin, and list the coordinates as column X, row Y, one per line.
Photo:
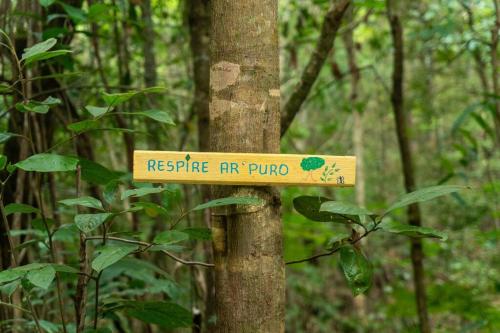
column 85, row 201
column 88, row 222
column 170, row 237
column 424, row 194
column 312, row 163
column 230, row 201
column 20, row 208
column 357, row 270
column 42, row 277
column 343, row 208
column 111, row 254
column 164, row 314
column 309, row 207
column 412, row 231
column 48, row 163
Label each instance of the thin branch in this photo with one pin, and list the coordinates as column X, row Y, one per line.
column 132, row 241
column 329, row 30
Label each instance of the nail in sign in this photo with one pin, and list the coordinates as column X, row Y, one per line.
column 243, row 168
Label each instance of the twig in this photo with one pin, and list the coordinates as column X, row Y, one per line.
column 131, row 241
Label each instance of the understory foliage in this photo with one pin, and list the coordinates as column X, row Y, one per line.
column 86, row 249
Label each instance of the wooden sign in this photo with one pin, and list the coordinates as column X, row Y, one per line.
column 243, row 169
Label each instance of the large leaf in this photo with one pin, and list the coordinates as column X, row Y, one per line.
column 158, row 115
column 358, row 271
column 88, row 222
column 111, row 254
column 47, row 55
column 309, row 207
column 97, row 111
column 151, row 209
column 96, row 173
column 230, row 201
column 166, row 315
column 140, row 192
column 412, row 231
column 119, row 98
column 170, row 237
column 85, row 201
column 198, row 233
column 41, row 107
column 9, row 275
column 343, row 208
column 48, row 163
column 38, row 49
column 424, row 194
column 83, row 126
column 42, row 277
column 20, row 208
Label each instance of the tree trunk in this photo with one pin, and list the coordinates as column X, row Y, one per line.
column 244, row 117
column 199, row 29
column 414, row 217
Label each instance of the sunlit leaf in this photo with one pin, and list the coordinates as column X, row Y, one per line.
column 230, row 201
column 111, row 254
column 48, row 163
column 97, row 111
column 412, row 231
column 38, row 48
column 158, row 115
column 85, row 201
column 42, row 277
column 88, row 222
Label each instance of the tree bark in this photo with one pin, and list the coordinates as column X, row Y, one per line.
column 329, row 30
column 414, row 216
column 199, row 30
column 245, row 117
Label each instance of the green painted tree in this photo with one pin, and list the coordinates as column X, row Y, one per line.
column 310, row 164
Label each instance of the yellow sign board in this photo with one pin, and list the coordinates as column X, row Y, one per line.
column 243, row 168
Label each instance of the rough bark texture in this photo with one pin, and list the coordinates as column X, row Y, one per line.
column 329, row 30
column 414, row 216
column 244, row 117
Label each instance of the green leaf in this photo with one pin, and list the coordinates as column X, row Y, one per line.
column 309, row 207
column 42, row 277
column 41, row 107
column 38, row 49
column 96, row 173
column 170, row 237
column 111, row 254
column 140, row 192
column 83, row 126
column 152, row 209
column 424, row 194
column 3, row 161
column 88, row 222
column 4, row 136
column 110, row 190
column 338, row 240
column 9, row 275
column 47, row 55
column 230, row 201
column 412, row 231
column 85, row 201
column 343, row 208
column 158, row 115
column 64, row 268
column 198, row 233
column 97, row 111
column 48, row 163
column 46, row 3
column 118, row 98
column 20, row 208
column 166, row 315
column 76, row 14
column 358, row 271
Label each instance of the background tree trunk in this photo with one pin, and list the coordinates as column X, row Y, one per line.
column 244, row 117
column 414, row 216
